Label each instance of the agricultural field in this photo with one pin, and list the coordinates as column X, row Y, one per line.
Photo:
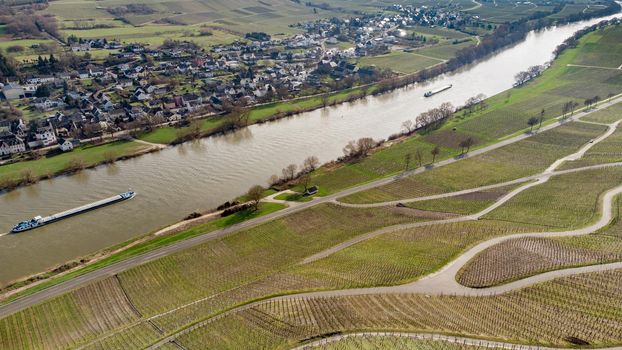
column 236, row 16
column 401, row 342
column 503, row 11
column 572, row 200
column 242, row 286
column 400, row 61
column 606, row 151
column 522, row 257
column 67, row 320
column 608, row 115
column 556, row 313
column 403, row 256
column 205, row 271
column 444, row 51
column 507, row 114
column 465, row 204
column 523, row 158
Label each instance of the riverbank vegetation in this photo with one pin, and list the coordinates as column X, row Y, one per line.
column 60, row 163
column 141, row 305
column 526, row 157
column 391, row 159
column 505, row 114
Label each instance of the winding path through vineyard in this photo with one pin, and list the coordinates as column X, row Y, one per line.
column 433, row 337
column 444, row 280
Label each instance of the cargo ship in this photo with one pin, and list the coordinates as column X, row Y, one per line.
column 436, row 91
column 38, row 221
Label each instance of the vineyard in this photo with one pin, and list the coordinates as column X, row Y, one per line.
column 510, row 162
column 372, row 342
column 519, row 258
column 579, row 309
column 465, row 204
column 70, row 319
column 606, row 151
column 325, row 271
column 607, row 115
column 403, row 256
column 566, row 201
column 203, row 271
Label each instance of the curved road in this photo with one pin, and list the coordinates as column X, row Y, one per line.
column 121, row 266
column 433, row 337
column 443, row 281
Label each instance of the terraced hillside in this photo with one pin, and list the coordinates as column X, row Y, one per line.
column 355, row 269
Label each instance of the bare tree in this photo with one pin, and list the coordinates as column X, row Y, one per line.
column 532, row 122
column 435, row 152
column 255, row 194
column 365, row 144
column 541, row 118
column 349, row 150
column 521, row 78
column 466, row 143
column 418, row 157
column 310, row 164
column 274, row 179
column 407, row 158
column 305, row 181
column 408, row 126
column 289, row 172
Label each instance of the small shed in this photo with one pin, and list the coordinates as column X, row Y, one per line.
column 311, row 191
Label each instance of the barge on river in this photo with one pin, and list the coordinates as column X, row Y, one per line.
column 436, row 91
column 38, row 221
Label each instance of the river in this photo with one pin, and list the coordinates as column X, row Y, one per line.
column 203, row 174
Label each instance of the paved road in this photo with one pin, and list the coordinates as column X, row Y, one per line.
column 433, row 337
column 444, row 282
column 121, row 266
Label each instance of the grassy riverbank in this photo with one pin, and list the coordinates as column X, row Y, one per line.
column 140, row 245
column 390, row 160
column 259, row 114
column 59, row 163
column 507, row 114
column 177, row 290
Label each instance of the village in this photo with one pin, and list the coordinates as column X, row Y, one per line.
column 143, row 87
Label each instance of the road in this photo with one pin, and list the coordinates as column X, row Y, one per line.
column 443, row 282
column 433, row 337
column 129, row 263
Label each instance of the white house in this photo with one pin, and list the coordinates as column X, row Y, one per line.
column 44, row 135
column 11, row 144
column 68, row 144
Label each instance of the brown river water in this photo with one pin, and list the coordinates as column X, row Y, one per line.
column 203, row 174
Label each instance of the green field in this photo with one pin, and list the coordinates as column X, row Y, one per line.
column 465, row 204
column 88, row 155
column 572, row 200
column 399, row 61
column 507, row 114
column 444, row 51
column 523, row 158
column 502, row 11
column 608, row 115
